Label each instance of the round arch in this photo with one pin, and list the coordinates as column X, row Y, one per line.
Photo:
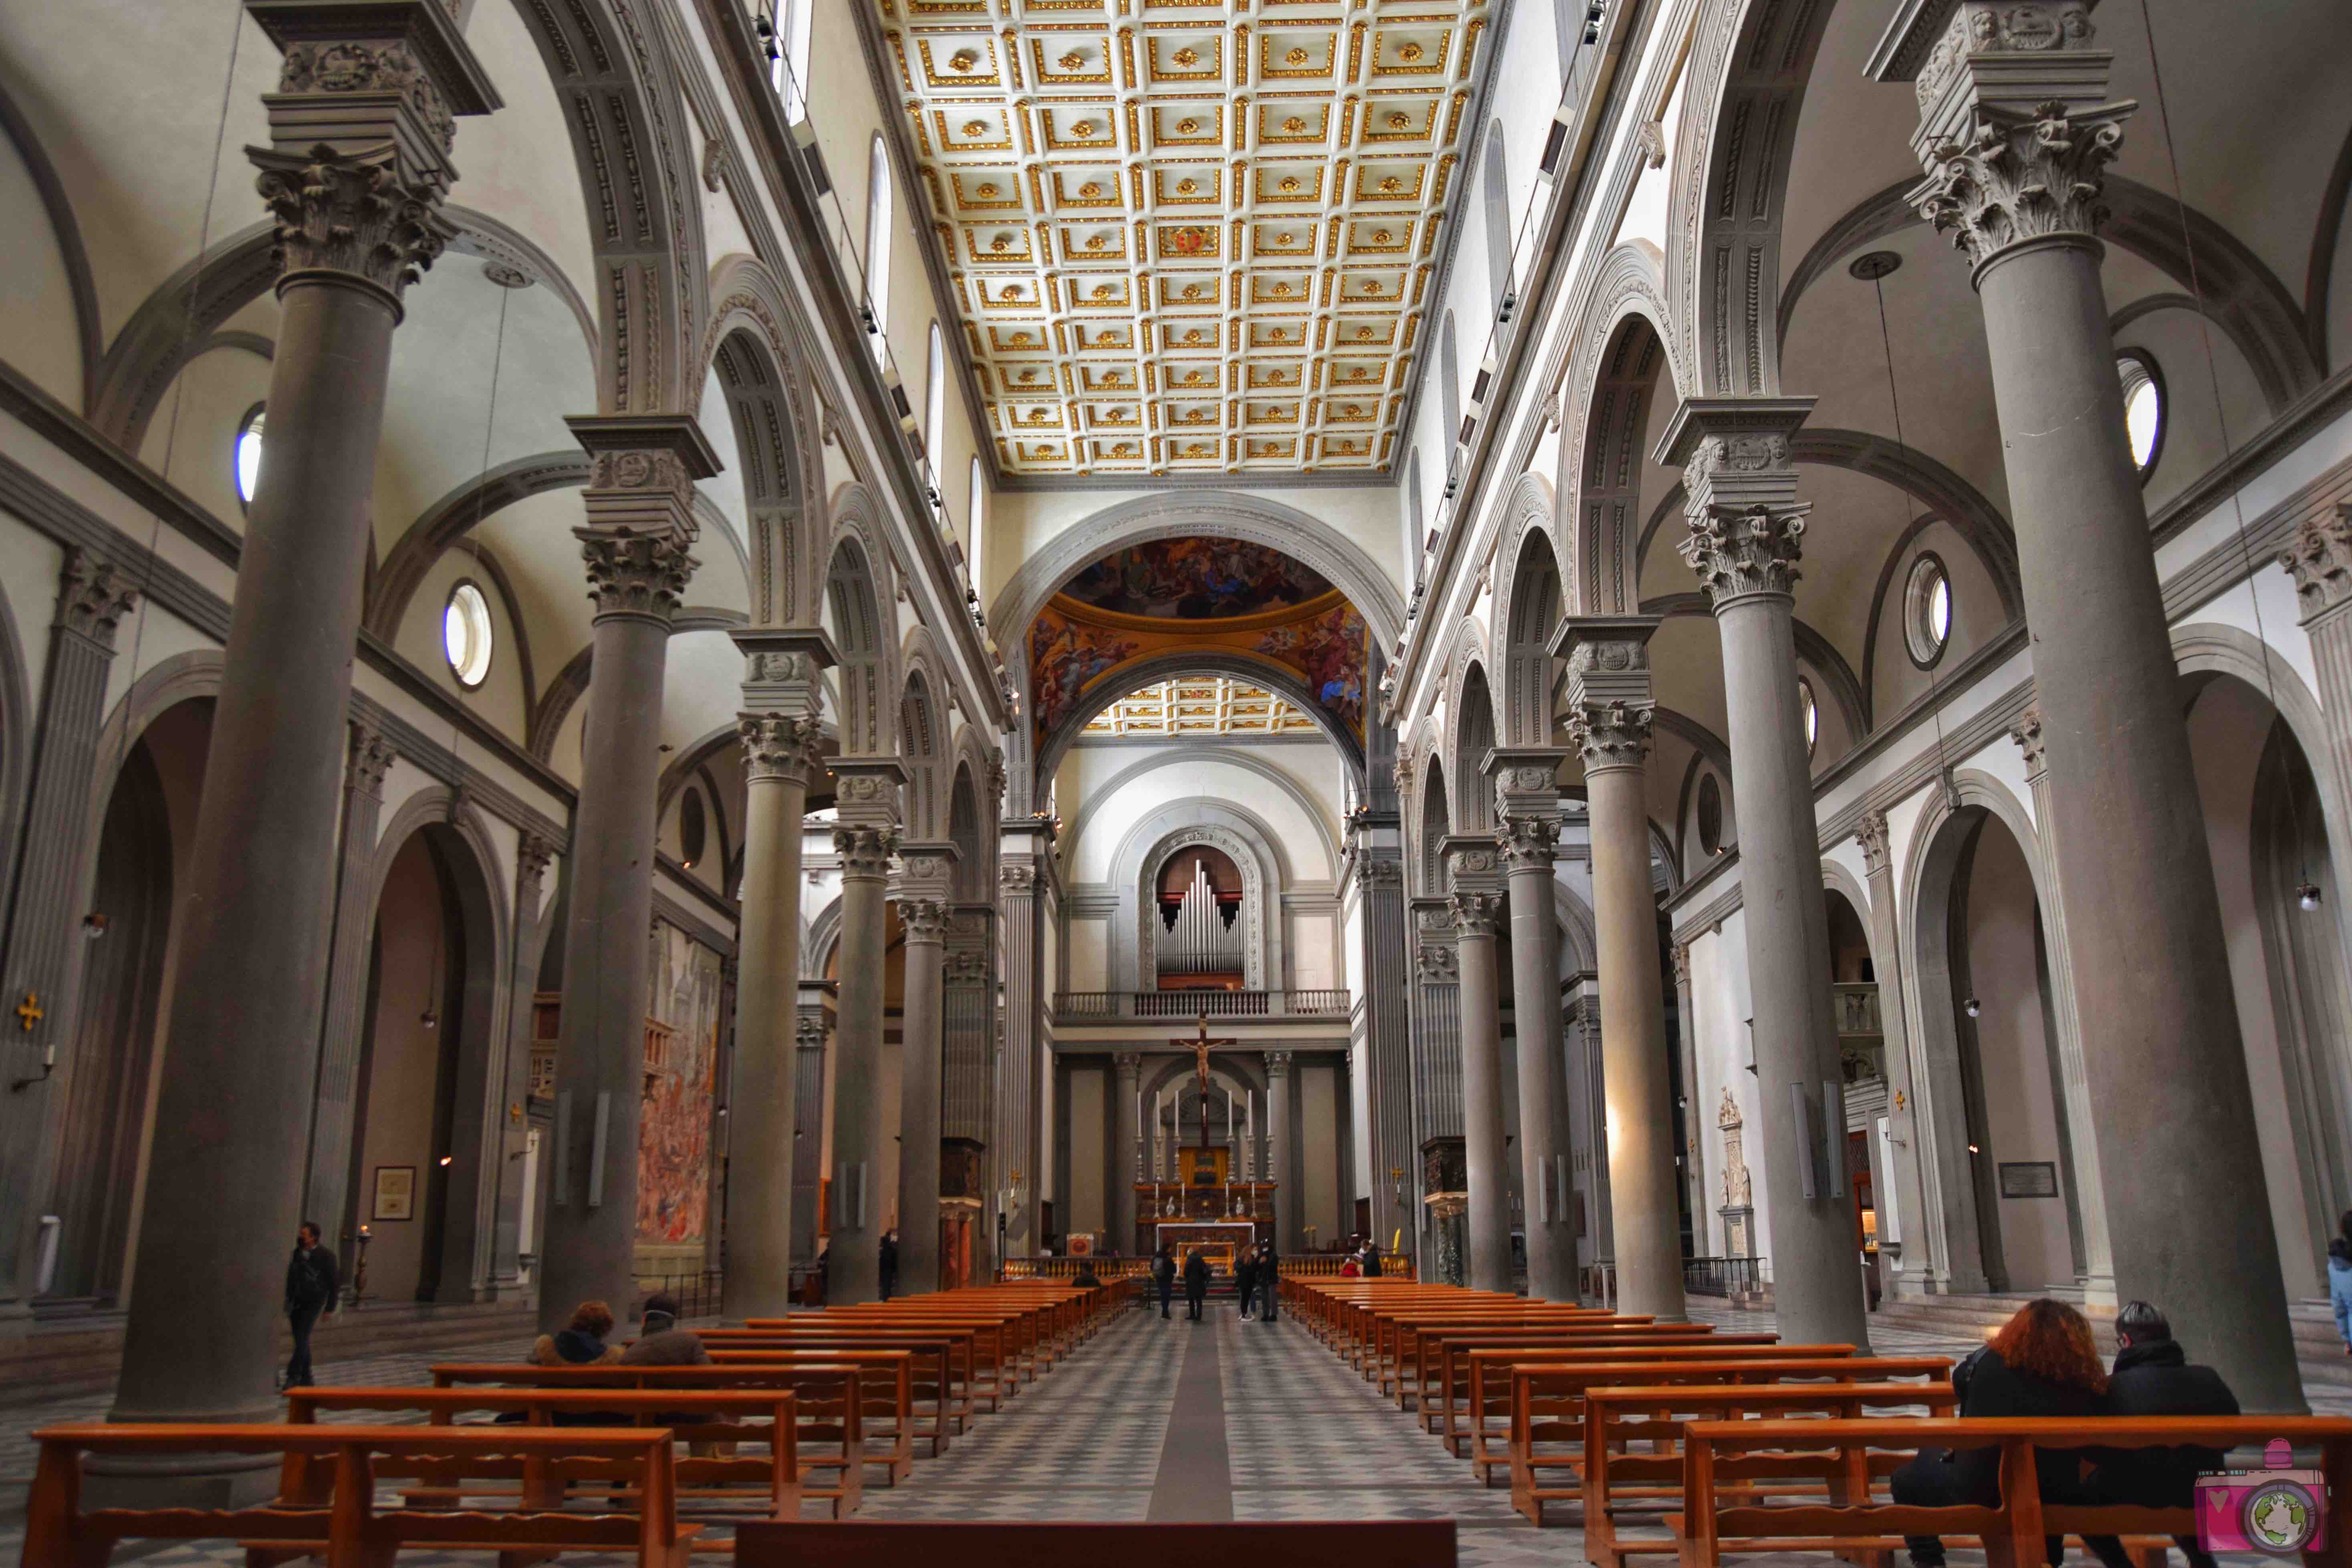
column 1076, row 833
column 1191, row 824
column 758, row 346
column 857, row 585
column 1174, row 664
column 1626, row 347
column 1470, row 730
column 1527, row 594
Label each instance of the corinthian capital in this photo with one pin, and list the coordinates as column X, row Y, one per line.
column 780, row 747
column 864, row 852
column 1741, row 553
column 2319, row 559
column 1870, row 832
column 1475, row 913
column 1613, row 734
column 93, row 596
column 808, row 1033
column 360, row 129
column 1530, row 841
column 1680, row 955
column 2014, row 177
column 2027, row 733
column 369, row 758
column 926, row 919
column 635, row 574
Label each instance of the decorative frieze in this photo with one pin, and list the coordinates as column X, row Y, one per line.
column 780, row 747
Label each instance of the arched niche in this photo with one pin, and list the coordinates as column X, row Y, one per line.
column 1148, row 846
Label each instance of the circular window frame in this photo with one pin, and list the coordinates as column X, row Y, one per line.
column 2139, row 360
column 1808, row 715
column 489, row 633
column 1707, row 801
column 252, row 417
column 693, row 828
column 1920, row 640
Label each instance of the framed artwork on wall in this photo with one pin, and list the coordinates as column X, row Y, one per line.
column 395, row 1192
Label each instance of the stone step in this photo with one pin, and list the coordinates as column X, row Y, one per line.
column 2319, row 1350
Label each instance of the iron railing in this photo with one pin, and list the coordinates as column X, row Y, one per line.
column 1079, row 1005
column 698, row 1291
column 1724, row 1277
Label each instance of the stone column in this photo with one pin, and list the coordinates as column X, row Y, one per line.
column 1526, row 786
column 1027, row 857
column 350, row 966
column 361, row 133
column 2015, row 134
column 56, row 862
column 534, row 852
column 1476, row 904
column 1126, row 1128
column 809, row 1029
column 640, row 511
column 866, row 840
column 1282, row 1145
column 923, row 916
column 1745, row 521
column 2086, row 1186
column 1609, row 693
column 1375, row 873
column 781, row 756
column 1694, row 1160
column 1442, row 1188
column 1914, row 1258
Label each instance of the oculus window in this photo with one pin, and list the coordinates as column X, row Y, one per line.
column 2144, row 409
column 247, row 457
column 1927, row 612
column 1710, row 815
column 467, row 637
column 1812, row 715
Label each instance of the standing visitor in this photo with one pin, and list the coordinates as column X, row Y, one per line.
column 889, row 1263
column 2339, row 1278
column 1196, row 1284
column 1371, row 1257
column 310, row 1288
column 1269, row 1284
column 1164, row 1274
column 1245, row 1277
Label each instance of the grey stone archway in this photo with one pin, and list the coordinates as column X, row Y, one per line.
column 1135, row 868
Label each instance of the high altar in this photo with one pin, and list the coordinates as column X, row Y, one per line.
column 1204, row 1209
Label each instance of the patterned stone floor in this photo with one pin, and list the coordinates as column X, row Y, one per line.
column 1305, row 1438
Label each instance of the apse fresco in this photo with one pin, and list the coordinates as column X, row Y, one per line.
column 681, row 1052
column 1195, row 579
column 1075, row 646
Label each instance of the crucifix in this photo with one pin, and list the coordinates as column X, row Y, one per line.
column 1200, row 1070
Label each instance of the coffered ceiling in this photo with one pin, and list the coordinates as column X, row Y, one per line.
column 1200, row 707
column 1188, row 237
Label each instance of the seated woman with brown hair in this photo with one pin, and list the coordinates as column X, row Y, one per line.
column 2042, row 1362
column 582, row 1343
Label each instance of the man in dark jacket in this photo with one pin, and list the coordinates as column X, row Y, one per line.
column 1196, row 1284
column 1269, row 1285
column 1164, row 1274
column 661, row 1342
column 890, row 1274
column 1371, row 1257
column 2153, row 1376
column 311, row 1287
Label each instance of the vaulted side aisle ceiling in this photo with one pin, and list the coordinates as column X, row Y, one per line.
column 1190, row 236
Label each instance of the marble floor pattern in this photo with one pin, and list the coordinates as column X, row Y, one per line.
column 1306, row 1438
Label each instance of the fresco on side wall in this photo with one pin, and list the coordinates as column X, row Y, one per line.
column 674, row 1134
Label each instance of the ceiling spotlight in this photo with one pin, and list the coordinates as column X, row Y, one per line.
column 1972, row 1007
column 429, row 1019
column 2306, row 897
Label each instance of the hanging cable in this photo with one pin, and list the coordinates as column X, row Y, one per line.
column 2307, row 891
column 94, row 922
column 1873, row 269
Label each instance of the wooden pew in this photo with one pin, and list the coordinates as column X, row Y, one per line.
column 1619, row 1480
column 1354, row 1543
column 335, row 1516
column 828, row 1405
column 942, row 1373
column 699, row 1416
column 890, row 1406
column 1548, row 1401
column 986, row 1368
column 1399, row 1337
column 1712, row 1522
column 1441, row 1349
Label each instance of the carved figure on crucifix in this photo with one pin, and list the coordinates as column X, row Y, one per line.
column 1200, row 1048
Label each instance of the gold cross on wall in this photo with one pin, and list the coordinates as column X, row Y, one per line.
column 28, row 1013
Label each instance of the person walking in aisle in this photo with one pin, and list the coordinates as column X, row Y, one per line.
column 1196, row 1284
column 1245, row 1277
column 312, row 1287
column 1164, row 1274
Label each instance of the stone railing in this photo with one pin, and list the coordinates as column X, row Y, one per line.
column 1077, row 1007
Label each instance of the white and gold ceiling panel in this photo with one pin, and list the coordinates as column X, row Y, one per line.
column 1203, row 706
column 1189, row 236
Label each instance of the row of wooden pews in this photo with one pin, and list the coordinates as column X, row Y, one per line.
column 1676, row 1440
column 532, row 1461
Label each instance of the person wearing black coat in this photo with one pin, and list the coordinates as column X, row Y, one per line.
column 1196, row 1284
column 889, row 1263
column 1269, row 1284
column 1372, row 1258
column 1246, row 1279
column 312, row 1287
column 2153, row 1376
column 1164, row 1274
column 2047, row 1334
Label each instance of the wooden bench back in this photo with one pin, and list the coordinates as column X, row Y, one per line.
column 1384, row 1544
